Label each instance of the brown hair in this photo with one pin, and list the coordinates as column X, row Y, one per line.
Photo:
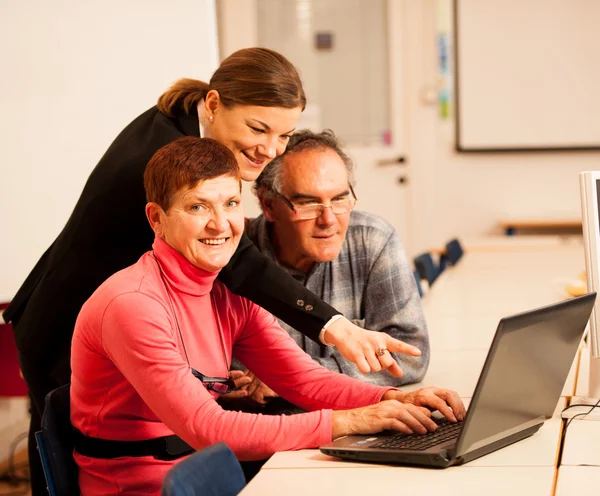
column 184, row 163
column 251, row 76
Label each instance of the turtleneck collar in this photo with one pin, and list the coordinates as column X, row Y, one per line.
column 180, row 272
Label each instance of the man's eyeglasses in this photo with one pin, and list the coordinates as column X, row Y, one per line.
column 315, row 210
column 219, row 385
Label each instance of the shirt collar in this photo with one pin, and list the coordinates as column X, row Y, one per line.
column 263, row 242
column 262, row 239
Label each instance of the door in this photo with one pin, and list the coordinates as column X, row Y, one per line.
column 350, row 56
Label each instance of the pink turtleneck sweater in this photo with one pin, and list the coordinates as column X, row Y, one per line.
column 131, row 379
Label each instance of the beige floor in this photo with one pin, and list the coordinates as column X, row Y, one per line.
column 22, row 489
column 14, row 423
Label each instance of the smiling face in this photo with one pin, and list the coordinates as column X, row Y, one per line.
column 255, row 135
column 309, row 176
column 204, row 223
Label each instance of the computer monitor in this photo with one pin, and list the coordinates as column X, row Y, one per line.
column 589, row 184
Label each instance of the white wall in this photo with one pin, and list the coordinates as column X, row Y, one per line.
column 241, row 33
column 74, row 73
column 459, row 194
column 352, row 74
column 467, row 194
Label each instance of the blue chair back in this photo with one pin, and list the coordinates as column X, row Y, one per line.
column 55, row 444
column 426, row 267
column 454, row 251
column 213, row 471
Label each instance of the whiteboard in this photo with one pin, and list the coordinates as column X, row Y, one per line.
column 527, row 74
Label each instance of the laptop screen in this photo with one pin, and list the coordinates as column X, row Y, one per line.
column 525, row 372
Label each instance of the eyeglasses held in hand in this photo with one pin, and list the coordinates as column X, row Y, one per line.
column 219, row 385
column 315, row 210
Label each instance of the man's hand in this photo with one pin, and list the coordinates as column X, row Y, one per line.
column 447, row 402
column 242, row 381
column 360, row 346
column 258, row 391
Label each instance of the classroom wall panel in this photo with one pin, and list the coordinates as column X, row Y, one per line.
column 74, row 73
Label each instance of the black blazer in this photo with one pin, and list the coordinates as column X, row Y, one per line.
column 108, row 231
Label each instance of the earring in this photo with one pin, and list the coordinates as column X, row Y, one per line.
column 159, row 234
column 210, row 118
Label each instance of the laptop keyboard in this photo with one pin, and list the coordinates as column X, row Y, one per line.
column 418, row 442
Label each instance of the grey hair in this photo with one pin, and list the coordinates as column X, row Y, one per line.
column 271, row 178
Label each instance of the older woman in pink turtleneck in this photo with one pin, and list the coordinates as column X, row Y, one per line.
column 151, row 330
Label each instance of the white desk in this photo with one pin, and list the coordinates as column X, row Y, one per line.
column 532, row 242
column 460, row 481
column 460, row 332
column 565, row 260
column 462, row 310
column 497, row 296
column 504, row 283
column 582, row 443
column 457, row 370
column 579, row 472
column 578, row 481
column 539, row 450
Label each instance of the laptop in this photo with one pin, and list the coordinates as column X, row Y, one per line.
column 518, row 389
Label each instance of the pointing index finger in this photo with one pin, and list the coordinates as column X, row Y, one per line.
column 397, row 346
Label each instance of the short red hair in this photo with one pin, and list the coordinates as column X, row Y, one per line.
column 184, row 163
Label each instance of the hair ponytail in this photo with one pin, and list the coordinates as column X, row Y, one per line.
column 185, row 94
column 250, row 76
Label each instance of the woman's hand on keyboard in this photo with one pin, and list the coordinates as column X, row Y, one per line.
column 392, row 414
column 447, row 402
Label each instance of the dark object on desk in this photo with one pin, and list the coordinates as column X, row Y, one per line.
column 213, row 471
column 427, row 268
column 541, row 226
column 453, row 254
column 520, row 383
column 55, row 444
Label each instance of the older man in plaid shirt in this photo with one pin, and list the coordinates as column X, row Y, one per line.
column 353, row 260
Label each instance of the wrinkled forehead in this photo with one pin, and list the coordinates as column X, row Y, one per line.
column 318, row 172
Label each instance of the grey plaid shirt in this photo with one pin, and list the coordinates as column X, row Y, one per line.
column 371, row 282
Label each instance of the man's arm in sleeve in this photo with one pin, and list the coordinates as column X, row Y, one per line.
column 392, row 305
